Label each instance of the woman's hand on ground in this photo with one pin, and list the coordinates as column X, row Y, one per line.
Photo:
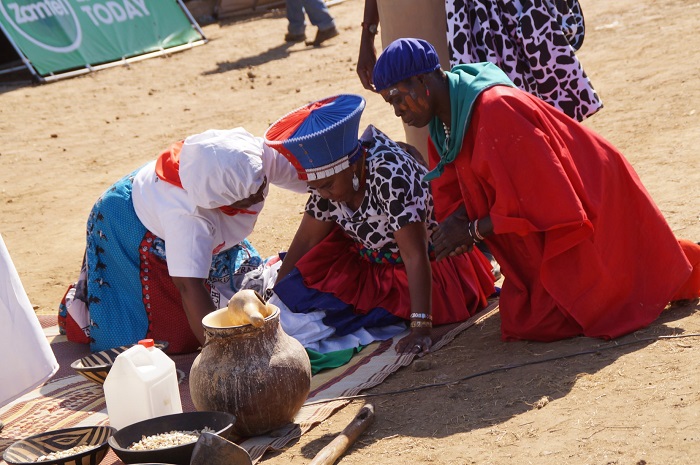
column 417, row 342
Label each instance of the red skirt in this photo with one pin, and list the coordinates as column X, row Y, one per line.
column 461, row 284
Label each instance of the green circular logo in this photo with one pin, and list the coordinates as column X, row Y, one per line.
column 49, row 24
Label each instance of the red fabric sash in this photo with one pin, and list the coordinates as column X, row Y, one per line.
column 168, row 170
column 231, row 211
column 168, row 164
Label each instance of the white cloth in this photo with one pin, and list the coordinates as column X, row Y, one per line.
column 26, row 358
column 361, row 337
column 217, row 168
column 309, row 329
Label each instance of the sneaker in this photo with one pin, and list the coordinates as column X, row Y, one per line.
column 324, row 35
column 289, row 37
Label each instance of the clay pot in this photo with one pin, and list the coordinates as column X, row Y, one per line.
column 260, row 375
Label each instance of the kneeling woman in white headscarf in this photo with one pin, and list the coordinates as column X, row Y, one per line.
column 165, row 244
column 361, row 264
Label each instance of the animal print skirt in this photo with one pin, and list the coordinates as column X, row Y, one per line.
column 533, row 41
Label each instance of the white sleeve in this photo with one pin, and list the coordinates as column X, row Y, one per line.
column 281, row 172
column 188, row 245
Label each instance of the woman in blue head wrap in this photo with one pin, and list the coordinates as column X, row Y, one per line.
column 557, row 205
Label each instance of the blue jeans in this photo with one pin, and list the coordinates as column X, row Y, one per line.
column 317, row 11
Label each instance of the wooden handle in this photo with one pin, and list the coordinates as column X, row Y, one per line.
column 329, row 454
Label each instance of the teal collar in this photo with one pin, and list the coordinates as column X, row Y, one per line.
column 466, row 83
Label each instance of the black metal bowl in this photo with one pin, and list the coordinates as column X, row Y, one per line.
column 221, row 422
column 95, row 367
column 29, row 450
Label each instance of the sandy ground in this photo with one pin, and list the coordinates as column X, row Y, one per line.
column 62, row 144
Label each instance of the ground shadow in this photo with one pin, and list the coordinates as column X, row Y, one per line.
column 279, row 52
column 480, row 382
column 15, row 80
column 276, row 53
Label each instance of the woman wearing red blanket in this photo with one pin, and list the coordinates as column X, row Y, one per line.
column 582, row 246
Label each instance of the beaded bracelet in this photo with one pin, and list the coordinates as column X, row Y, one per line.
column 476, row 230
column 421, row 324
column 421, row 316
column 471, row 234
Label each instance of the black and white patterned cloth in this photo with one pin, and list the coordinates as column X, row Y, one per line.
column 532, row 41
column 396, row 196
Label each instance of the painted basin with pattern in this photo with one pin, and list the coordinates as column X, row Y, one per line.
column 95, row 367
column 30, row 450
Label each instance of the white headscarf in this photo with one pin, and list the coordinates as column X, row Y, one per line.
column 220, row 167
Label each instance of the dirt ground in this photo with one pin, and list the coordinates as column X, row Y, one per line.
column 62, row 144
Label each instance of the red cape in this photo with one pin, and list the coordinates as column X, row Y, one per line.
column 583, row 248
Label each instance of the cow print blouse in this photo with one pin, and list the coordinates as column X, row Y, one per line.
column 395, row 196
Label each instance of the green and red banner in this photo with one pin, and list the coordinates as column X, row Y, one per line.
column 61, row 35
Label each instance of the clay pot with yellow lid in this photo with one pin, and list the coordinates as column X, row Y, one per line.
column 250, row 367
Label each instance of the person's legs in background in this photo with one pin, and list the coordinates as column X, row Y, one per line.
column 296, row 26
column 322, row 19
column 318, row 15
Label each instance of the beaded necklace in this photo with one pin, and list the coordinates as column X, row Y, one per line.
column 447, row 134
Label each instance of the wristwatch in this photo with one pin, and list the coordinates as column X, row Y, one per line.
column 371, row 28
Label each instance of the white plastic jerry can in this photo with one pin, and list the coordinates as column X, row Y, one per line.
column 141, row 384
